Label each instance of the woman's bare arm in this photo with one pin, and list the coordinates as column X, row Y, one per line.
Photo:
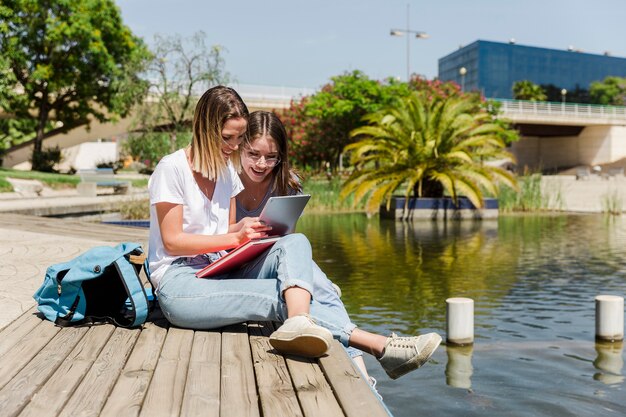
column 178, row 243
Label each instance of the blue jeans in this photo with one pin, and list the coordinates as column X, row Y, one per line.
column 252, row 292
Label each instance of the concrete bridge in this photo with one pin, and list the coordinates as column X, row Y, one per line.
column 557, row 135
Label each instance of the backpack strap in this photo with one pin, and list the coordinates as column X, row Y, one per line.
column 135, row 290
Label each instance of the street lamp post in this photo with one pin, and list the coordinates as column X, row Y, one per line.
column 408, row 32
column 563, row 94
column 462, row 72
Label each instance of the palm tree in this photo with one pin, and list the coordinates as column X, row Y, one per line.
column 428, row 146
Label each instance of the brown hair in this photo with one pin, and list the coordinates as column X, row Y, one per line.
column 264, row 123
column 215, row 107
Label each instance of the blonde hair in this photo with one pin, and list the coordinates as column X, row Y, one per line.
column 216, row 106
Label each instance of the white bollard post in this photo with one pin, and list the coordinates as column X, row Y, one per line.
column 460, row 321
column 609, row 318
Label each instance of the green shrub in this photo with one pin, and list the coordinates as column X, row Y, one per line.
column 149, row 148
column 135, row 209
column 46, row 159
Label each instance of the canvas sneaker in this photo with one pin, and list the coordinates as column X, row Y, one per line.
column 336, row 288
column 404, row 354
column 299, row 335
column 372, row 381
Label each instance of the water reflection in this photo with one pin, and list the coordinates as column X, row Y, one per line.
column 459, row 367
column 533, row 280
column 609, row 362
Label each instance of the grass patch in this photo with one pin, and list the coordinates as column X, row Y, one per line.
column 5, row 186
column 51, row 180
column 325, row 196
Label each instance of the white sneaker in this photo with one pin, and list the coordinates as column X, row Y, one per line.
column 299, row 335
column 336, row 288
column 404, row 354
column 372, row 381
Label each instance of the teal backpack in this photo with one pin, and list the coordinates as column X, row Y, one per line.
column 100, row 285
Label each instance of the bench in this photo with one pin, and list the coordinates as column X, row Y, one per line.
column 583, row 173
column 91, row 179
column 616, row 173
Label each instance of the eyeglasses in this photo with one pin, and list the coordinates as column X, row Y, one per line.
column 256, row 158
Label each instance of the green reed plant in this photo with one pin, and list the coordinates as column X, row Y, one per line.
column 530, row 196
column 325, row 196
column 612, row 203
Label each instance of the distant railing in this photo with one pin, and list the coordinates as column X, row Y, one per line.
column 562, row 110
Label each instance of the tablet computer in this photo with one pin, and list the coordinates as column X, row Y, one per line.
column 282, row 213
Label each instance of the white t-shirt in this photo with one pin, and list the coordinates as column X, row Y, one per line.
column 172, row 181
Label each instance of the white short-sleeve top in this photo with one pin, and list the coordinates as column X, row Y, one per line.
column 172, row 181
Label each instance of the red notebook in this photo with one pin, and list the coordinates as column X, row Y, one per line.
column 237, row 257
column 282, row 213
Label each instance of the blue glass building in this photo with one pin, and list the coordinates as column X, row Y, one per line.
column 493, row 67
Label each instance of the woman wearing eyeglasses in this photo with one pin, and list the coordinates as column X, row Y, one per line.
column 265, row 172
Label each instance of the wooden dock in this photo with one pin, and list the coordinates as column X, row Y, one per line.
column 158, row 370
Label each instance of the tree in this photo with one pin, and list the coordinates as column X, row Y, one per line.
column 179, row 72
column 527, row 90
column 427, row 146
column 72, row 61
column 610, row 91
column 320, row 125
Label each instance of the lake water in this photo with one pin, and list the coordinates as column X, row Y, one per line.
column 533, row 280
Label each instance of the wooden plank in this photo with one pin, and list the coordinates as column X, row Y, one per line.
column 80, row 229
column 131, row 387
column 276, row 392
column 164, row 397
column 314, row 392
column 90, row 396
column 21, row 353
column 353, row 392
column 58, row 389
column 239, row 396
column 17, row 329
column 202, row 392
column 16, row 394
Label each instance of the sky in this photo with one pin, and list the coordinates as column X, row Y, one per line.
column 302, row 44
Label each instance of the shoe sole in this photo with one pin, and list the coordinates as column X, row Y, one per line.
column 306, row 345
column 416, row 361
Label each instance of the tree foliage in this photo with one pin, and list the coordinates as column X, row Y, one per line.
column 427, row 146
column 610, row 91
column 320, row 125
column 527, row 90
column 71, row 61
column 181, row 69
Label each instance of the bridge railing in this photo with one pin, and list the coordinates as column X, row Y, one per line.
column 564, row 110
